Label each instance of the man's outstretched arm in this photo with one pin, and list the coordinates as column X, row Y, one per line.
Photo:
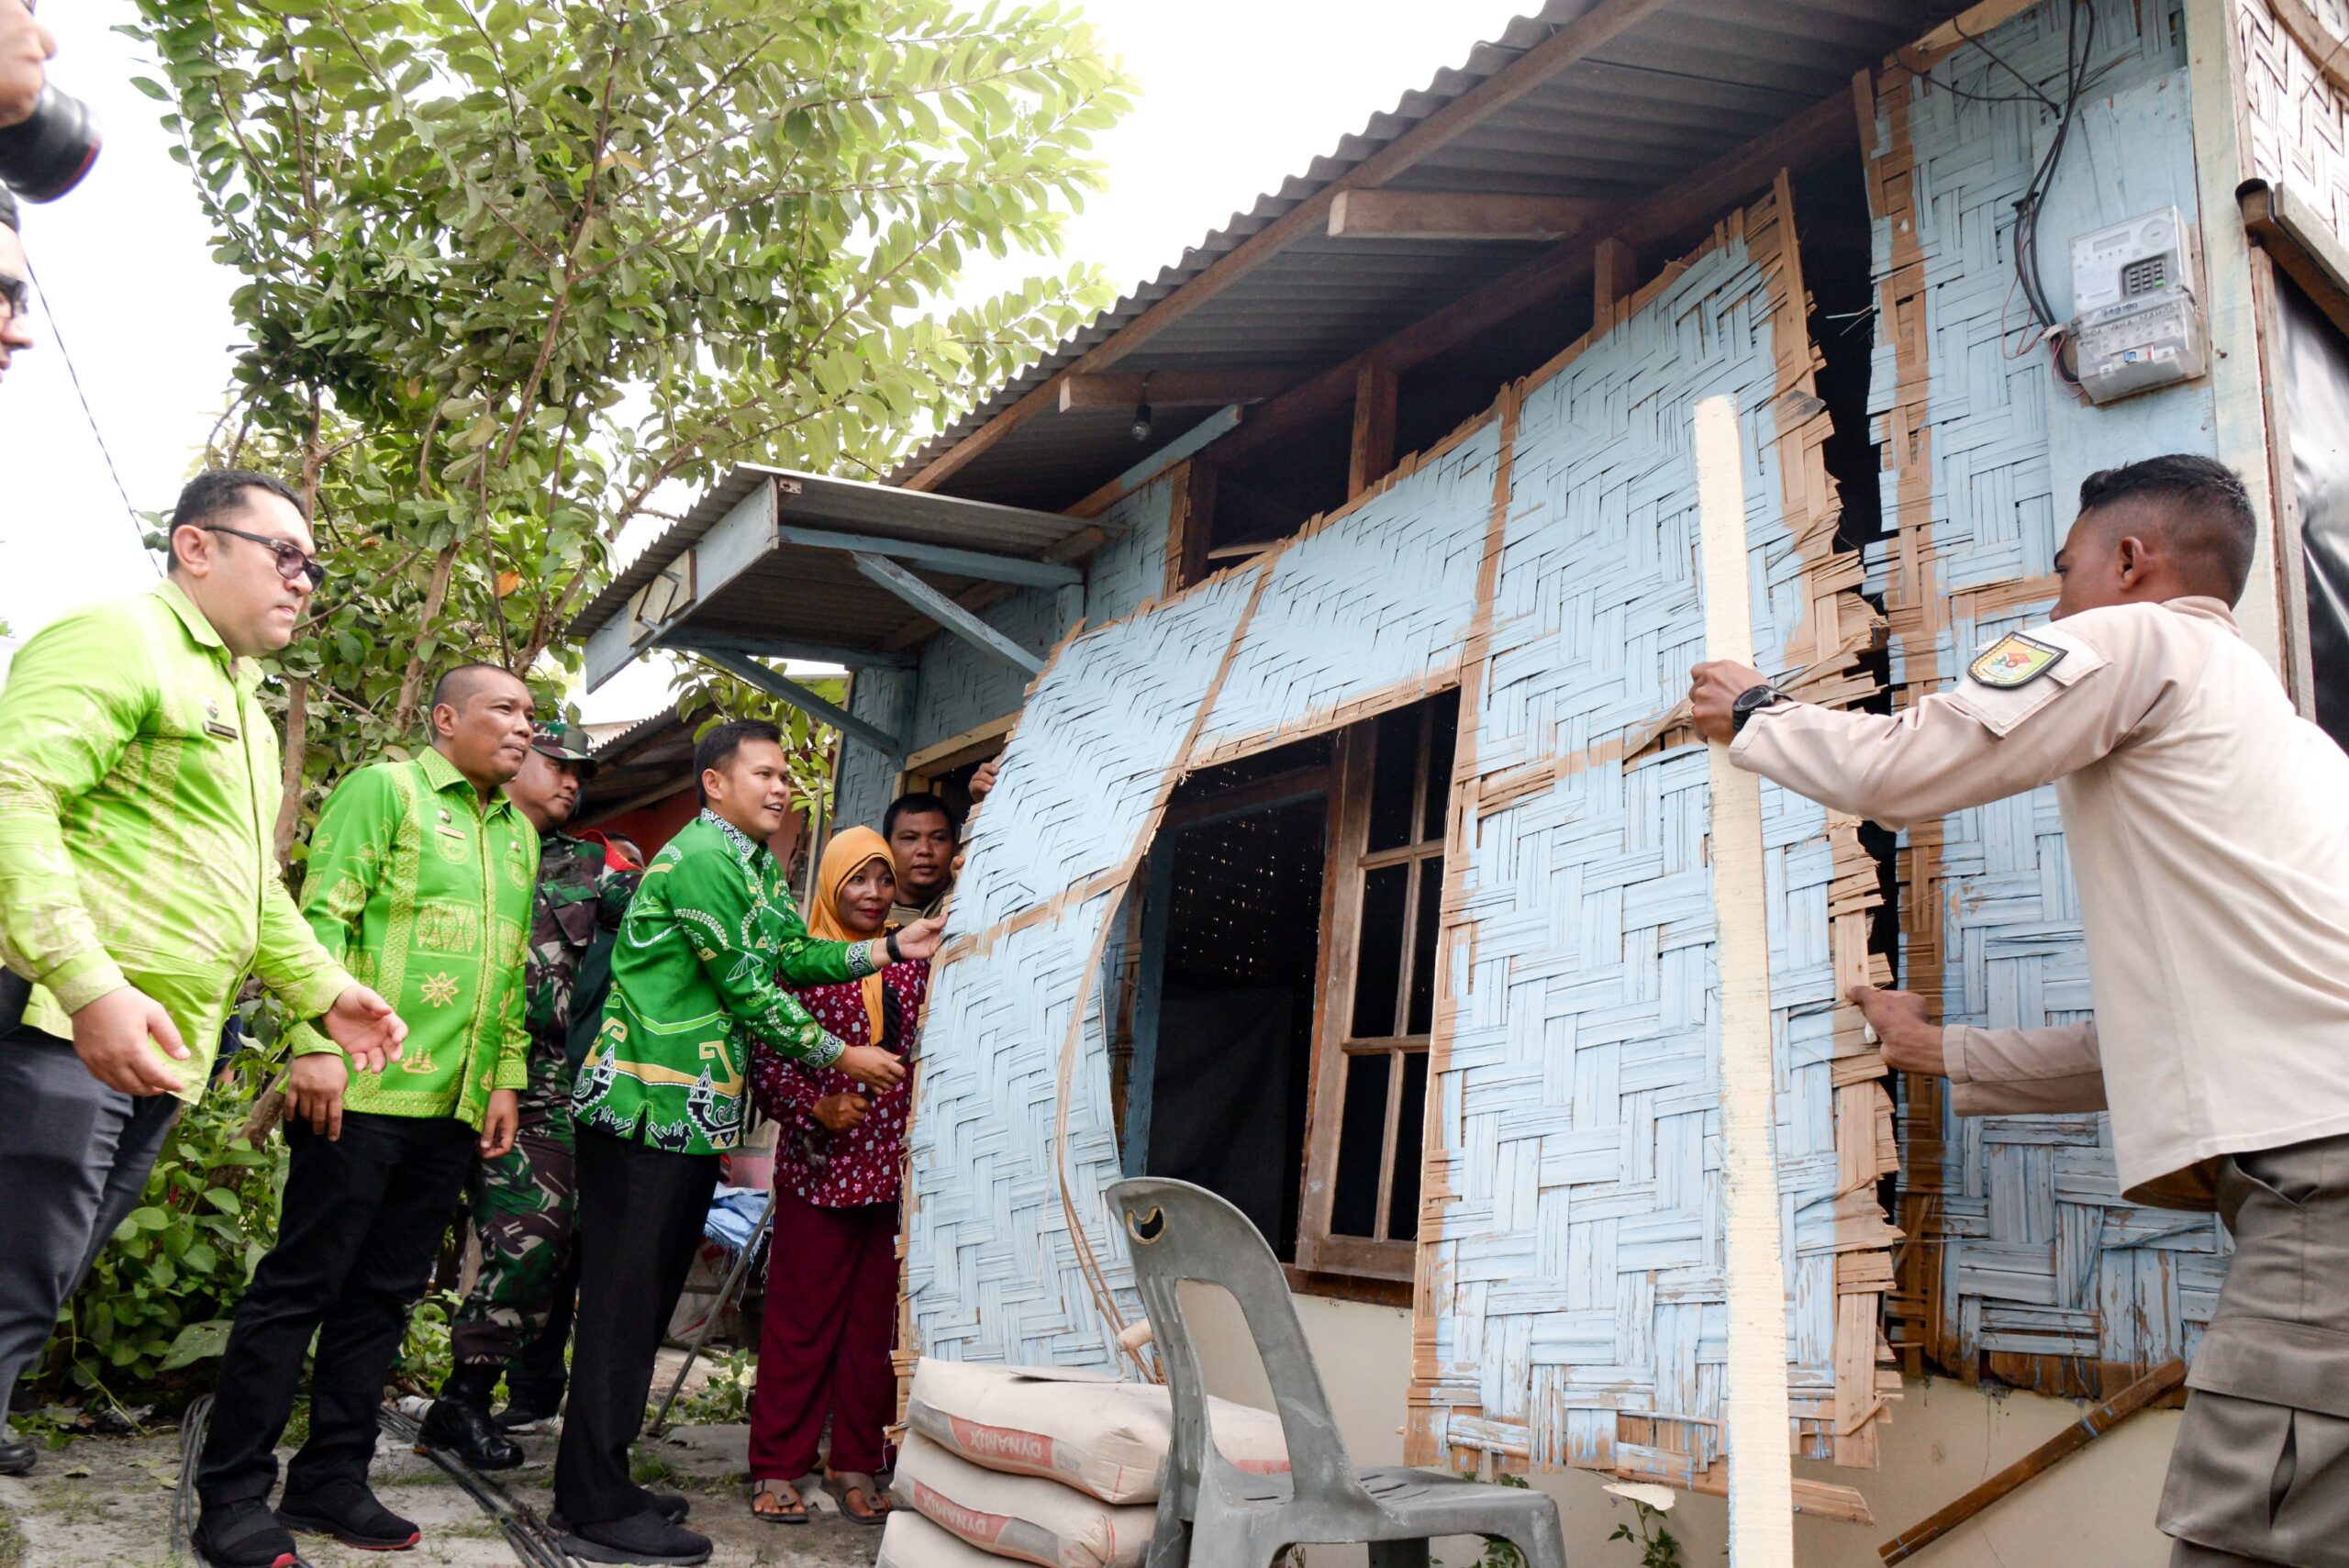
column 1990, row 1072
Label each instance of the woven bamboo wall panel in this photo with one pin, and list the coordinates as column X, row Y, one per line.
column 2025, row 1265
column 1576, row 1274
column 2296, row 121
column 993, row 1272
column 868, row 776
column 1372, row 605
column 1096, row 746
column 957, row 679
column 962, row 686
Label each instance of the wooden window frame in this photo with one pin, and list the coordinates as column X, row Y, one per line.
column 1345, row 882
column 924, row 768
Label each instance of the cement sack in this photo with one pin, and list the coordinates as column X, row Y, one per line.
column 1105, row 1437
column 1021, row 1516
column 908, row 1541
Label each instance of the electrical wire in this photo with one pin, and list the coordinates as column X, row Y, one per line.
column 525, row 1534
column 2029, row 206
column 57, row 336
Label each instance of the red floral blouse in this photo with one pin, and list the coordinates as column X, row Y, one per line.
column 864, row 1165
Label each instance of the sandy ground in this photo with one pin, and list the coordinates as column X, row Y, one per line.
column 105, row 1503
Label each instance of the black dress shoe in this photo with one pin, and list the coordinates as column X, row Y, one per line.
column 645, row 1538
column 243, row 1535
column 670, row 1506
column 350, row 1513
column 455, row 1427
column 18, row 1455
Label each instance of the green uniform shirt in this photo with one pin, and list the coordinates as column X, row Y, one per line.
column 427, row 896
column 139, row 791
column 575, row 915
column 694, row 983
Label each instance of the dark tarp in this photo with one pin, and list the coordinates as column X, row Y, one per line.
column 2316, row 403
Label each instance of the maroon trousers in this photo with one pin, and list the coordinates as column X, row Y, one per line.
column 831, row 1320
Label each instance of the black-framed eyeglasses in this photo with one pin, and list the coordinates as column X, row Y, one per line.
column 293, row 562
column 18, row 293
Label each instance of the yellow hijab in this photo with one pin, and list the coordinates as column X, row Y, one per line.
column 848, row 853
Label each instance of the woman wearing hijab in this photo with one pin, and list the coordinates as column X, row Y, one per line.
column 824, row 1349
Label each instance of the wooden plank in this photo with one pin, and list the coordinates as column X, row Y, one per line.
column 953, row 616
column 1819, row 132
column 1761, row 1472
column 1174, row 389
column 2283, row 225
column 1614, row 275
column 2328, row 54
column 951, row 750
column 1141, row 1073
column 1371, row 456
column 1575, row 41
column 1216, row 426
column 2239, row 413
column 2139, row 1396
column 1957, row 32
column 1460, row 215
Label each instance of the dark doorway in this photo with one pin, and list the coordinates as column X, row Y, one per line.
column 1223, row 1012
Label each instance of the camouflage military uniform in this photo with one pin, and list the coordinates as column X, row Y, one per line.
column 523, row 1201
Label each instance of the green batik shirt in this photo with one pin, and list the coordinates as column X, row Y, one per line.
column 694, row 981
column 426, row 895
column 139, row 792
column 575, row 915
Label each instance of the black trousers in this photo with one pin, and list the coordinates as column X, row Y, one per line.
column 361, row 1224
column 641, row 1214
column 74, row 1158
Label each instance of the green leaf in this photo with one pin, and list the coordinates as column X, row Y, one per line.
column 197, row 1342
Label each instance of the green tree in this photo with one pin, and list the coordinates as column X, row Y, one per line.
column 512, row 267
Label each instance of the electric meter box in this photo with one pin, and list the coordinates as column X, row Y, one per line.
column 2138, row 321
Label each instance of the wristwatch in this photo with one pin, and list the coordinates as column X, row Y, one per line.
column 1751, row 701
column 895, row 956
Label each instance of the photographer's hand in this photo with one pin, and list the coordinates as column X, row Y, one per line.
column 25, row 50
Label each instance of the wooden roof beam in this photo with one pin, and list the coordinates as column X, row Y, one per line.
column 1827, row 127
column 1577, row 40
column 1460, row 215
column 1174, row 389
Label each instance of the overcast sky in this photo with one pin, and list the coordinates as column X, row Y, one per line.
column 1236, row 95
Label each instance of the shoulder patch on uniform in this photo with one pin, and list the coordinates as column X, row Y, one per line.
column 2015, row 660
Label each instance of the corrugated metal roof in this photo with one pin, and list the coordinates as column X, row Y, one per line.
column 1691, row 82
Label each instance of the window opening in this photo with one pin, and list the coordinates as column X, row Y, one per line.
column 1386, row 896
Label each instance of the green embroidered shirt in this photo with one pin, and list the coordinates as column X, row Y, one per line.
column 427, row 896
column 693, row 982
column 138, row 790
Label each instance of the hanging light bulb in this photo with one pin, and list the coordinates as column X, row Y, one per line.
column 1141, row 421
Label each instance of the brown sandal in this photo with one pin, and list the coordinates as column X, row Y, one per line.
column 772, row 1488
column 847, row 1484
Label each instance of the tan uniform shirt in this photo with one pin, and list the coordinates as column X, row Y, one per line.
column 904, row 915
column 2209, row 829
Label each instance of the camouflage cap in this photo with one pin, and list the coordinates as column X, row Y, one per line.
column 563, row 743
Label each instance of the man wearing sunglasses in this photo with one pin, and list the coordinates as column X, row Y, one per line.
column 16, row 284
column 139, row 783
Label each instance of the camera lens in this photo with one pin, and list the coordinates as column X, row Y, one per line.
column 48, row 154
